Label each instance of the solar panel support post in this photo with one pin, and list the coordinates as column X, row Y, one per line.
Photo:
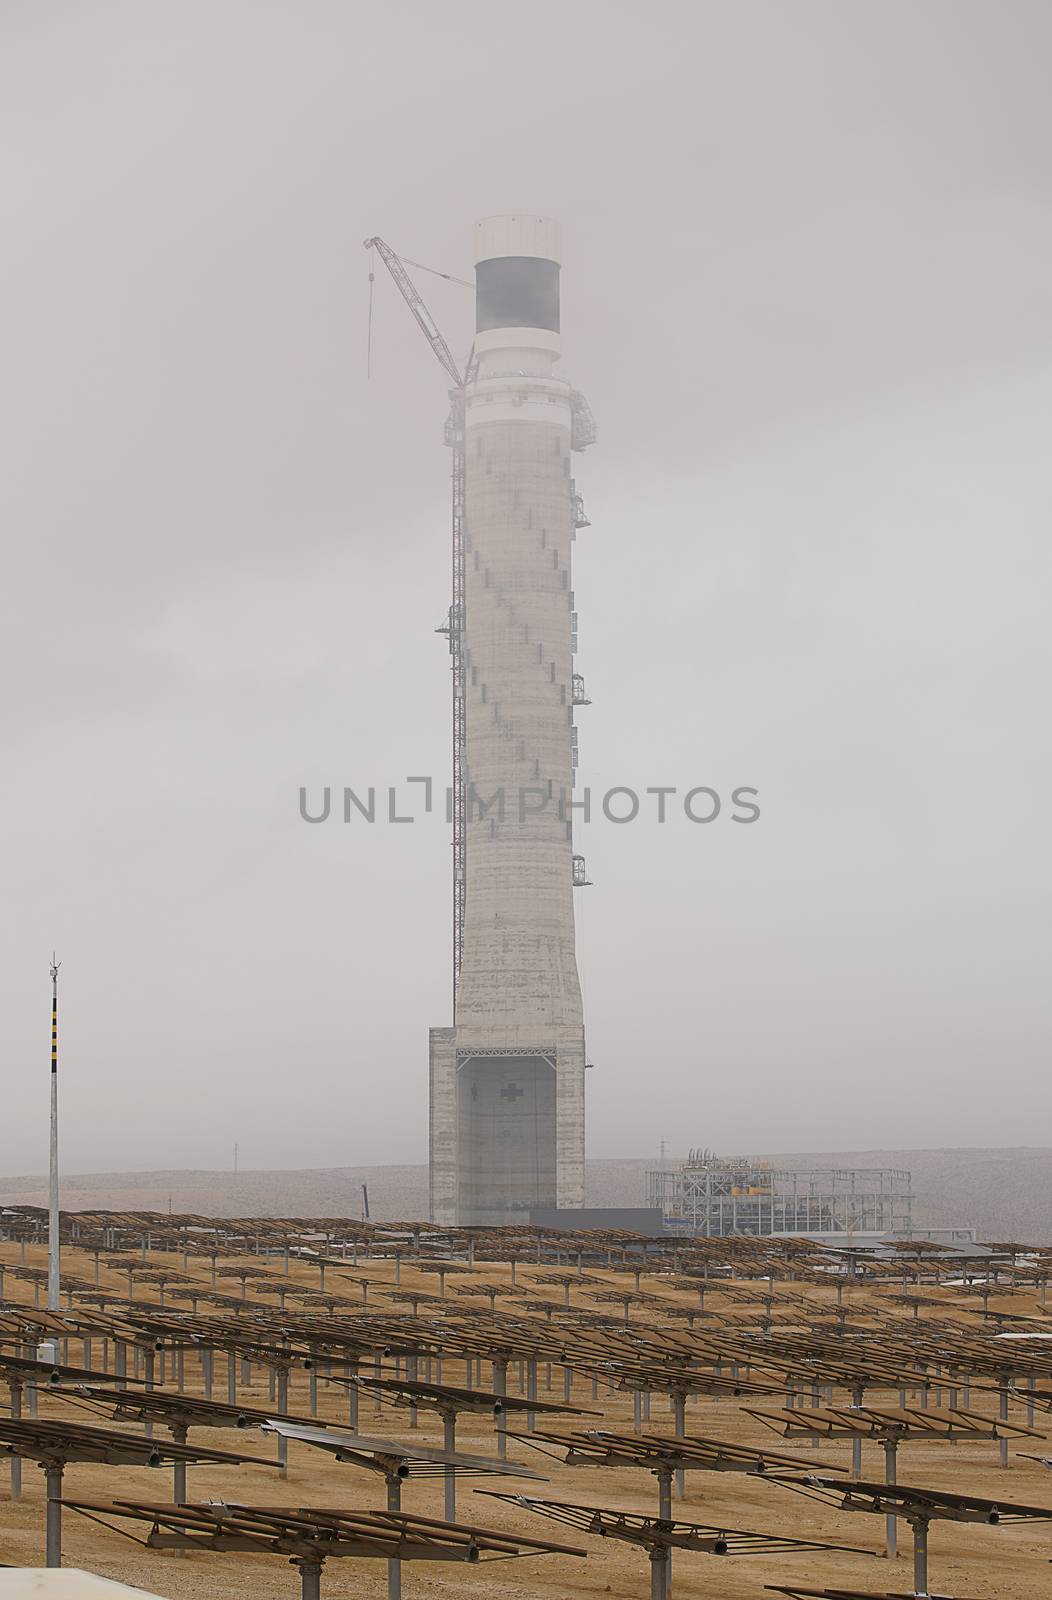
column 664, row 1478
column 500, row 1386
column 531, row 1391
column 16, row 1461
column 283, row 1406
column 890, row 1473
column 679, row 1407
column 179, row 1432
column 394, row 1568
column 411, row 1372
column 920, row 1555
column 1002, row 1412
column 449, row 1445
column 53, row 1525
column 310, row 1579
column 148, row 1361
column 856, row 1443
column 659, row 1586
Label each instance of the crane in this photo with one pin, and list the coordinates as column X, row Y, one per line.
column 454, row 624
column 411, row 295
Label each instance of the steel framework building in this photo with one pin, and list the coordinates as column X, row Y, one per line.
column 710, row 1194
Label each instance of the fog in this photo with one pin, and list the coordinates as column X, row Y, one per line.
column 806, row 290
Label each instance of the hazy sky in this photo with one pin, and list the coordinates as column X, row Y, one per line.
column 807, row 292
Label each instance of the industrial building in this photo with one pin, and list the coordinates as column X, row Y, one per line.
column 713, row 1195
column 507, row 1079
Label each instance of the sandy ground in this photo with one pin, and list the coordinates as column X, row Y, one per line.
column 1011, row 1563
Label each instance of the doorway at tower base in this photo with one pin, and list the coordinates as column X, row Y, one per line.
column 506, row 1137
column 506, row 1123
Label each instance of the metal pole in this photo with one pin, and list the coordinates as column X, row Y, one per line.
column 920, row 1556
column 449, row 1444
column 179, row 1433
column 54, row 1270
column 531, row 1391
column 664, row 1478
column 658, row 1562
column 16, row 1461
column 1003, row 1414
column 394, row 1567
column 500, row 1386
column 53, row 1540
column 890, row 1468
column 310, row 1580
column 679, row 1406
column 283, row 1406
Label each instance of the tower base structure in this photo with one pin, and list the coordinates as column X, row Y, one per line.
column 507, row 1126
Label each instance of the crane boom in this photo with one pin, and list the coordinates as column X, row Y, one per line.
column 455, row 622
column 411, row 295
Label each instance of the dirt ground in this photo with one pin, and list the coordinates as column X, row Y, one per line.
column 1010, row 1563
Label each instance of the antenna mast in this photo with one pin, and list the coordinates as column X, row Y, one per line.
column 54, row 1270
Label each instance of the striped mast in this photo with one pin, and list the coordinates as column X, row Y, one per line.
column 53, row 1266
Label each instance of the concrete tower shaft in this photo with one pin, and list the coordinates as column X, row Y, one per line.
column 507, row 1082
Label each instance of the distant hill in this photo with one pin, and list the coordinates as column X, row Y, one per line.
column 1004, row 1194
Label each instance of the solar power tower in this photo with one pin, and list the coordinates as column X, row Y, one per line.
column 507, row 1080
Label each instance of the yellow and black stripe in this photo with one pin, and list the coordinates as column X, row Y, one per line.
column 54, row 1017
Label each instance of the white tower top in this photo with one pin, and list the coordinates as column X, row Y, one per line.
column 517, row 290
column 518, row 234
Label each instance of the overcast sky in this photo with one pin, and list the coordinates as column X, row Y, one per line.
column 807, row 292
